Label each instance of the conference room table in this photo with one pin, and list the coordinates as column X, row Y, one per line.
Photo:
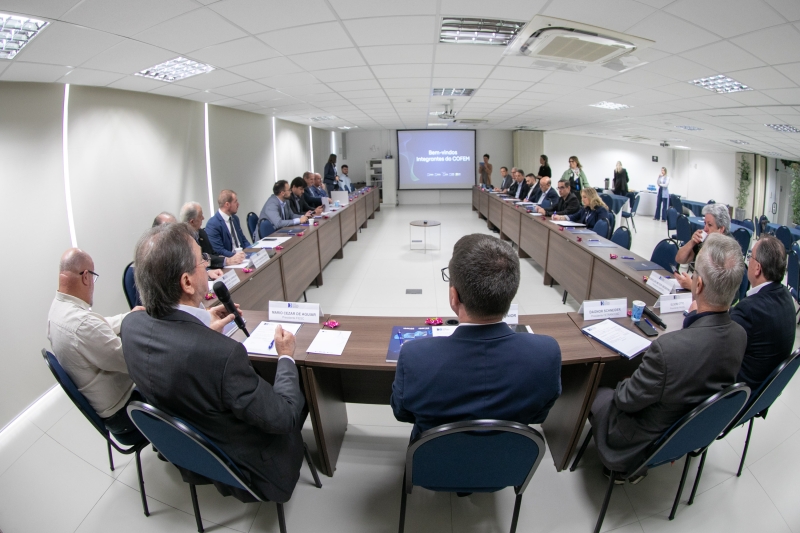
column 696, row 207
column 617, row 202
column 699, row 223
column 772, row 228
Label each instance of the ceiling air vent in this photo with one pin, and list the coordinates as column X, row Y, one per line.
column 452, row 92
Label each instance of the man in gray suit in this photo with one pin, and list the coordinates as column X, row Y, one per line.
column 182, row 364
column 680, row 370
column 277, row 209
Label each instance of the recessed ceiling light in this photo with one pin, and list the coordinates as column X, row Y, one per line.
column 689, row 128
column 785, row 128
column 720, row 84
column 176, row 69
column 683, row 147
column 436, row 124
column 479, row 31
column 346, row 127
column 610, row 105
column 452, row 92
column 321, row 119
column 16, row 32
column 738, row 141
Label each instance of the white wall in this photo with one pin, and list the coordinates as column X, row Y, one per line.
column 704, row 176
column 293, row 151
column 363, row 145
column 500, row 147
column 32, row 182
column 322, row 150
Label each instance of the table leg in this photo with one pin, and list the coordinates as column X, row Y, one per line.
column 328, row 414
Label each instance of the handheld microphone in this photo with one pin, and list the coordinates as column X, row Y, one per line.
column 654, row 317
column 224, row 296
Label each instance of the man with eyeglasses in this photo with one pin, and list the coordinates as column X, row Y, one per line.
column 567, row 204
column 88, row 346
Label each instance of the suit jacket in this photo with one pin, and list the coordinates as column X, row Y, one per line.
column 329, row 176
column 312, row 197
column 533, row 192
column 478, row 372
column 768, row 319
column 219, row 235
column 523, row 185
column 217, row 261
column 565, row 206
column 621, row 182
column 276, row 214
column 507, row 182
column 680, row 370
column 590, row 216
column 206, row 379
column 299, row 205
column 551, row 196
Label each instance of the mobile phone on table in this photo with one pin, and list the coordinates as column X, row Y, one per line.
column 646, row 328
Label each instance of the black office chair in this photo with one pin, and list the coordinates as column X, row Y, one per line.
column 134, row 440
column 672, row 223
column 252, row 221
column 473, row 456
column 683, row 230
column 186, row 447
column 129, row 286
column 742, row 236
column 630, row 216
column 688, row 437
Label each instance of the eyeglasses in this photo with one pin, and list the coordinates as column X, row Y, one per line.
column 95, row 275
column 206, row 259
column 445, row 274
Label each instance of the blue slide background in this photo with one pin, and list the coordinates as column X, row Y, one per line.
column 456, row 172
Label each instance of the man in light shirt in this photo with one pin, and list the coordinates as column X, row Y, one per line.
column 223, row 229
column 344, row 179
column 88, row 347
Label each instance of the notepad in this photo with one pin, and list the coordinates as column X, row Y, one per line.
column 617, row 338
column 329, row 342
column 569, row 224
column 261, row 340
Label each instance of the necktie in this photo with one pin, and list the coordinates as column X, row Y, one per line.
column 233, row 233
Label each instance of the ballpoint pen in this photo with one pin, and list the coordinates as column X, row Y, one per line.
column 648, row 323
column 271, row 344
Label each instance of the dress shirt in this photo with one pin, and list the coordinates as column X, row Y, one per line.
column 345, row 183
column 234, row 238
column 287, row 212
column 543, row 195
column 757, row 288
column 88, row 347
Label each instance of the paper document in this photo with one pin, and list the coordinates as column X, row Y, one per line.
column 569, row 224
column 597, row 243
column 240, row 265
column 582, row 232
column 618, row 338
column 262, row 339
column 329, row 342
column 443, row 331
column 272, row 243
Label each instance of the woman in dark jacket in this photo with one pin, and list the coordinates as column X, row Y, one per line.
column 620, row 180
column 330, row 175
column 593, row 210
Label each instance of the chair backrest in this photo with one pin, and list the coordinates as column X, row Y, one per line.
column 635, row 204
column 74, row 394
column 474, row 456
column 735, row 221
column 664, row 254
column 768, row 392
column 612, row 223
column 747, row 223
column 785, row 236
column 698, row 428
column 265, row 228
column 796, row 248
column 711, row 202
column 607, row 200
column 683, row 228
column 675, row 203
column 185, row 446
column 793, row 273
column 672, row 219
column 743, row 287
column 129, row 286
column 252, row 221
column 622, row 237
column 742, row 236
column 601, row 228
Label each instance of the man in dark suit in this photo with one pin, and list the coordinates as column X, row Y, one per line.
column 506, row 179
column 182, row 364
column 484, row 369
column 533, row 187
column 192, row 214
column 680, row 370
column 277, row 209
column 519, row 188
column 297, row 200
column 567, row 203
column 223, row 229
column 545, row 192
column 311, row 197
column 767, row 314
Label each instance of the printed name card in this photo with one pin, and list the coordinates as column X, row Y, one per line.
column 662, row 284
column 512, row 317
column 294, row 312
column 259, row 259
column 230, row 279
column 601, row 309
column 673, row 303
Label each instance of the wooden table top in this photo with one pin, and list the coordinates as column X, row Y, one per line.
column 305, row 335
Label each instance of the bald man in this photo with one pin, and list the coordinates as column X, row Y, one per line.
column 164, row 217
column 88, row 345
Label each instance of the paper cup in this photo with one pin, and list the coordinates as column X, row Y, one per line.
column 637, row 310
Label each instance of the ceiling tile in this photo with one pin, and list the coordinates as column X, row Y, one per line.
column 519, row 74
column 723, row 57
column 403, row 83
column 791, row 71
column 191, row 31
column 238, row 89
column 475, row 71
column 763, row 78
column 504, row 93
column 348, row 57
column 354, row 85
column 351, row 9
column 260, row 96
column 391, row 92
column 457, row 83
column 344, row 74
column 233, row 53
column 211, row 80
column 202, row 96
column 67, row 44
column 174, row 90
column 324, row 98
column 788, row 8
column 615, row 87
column 20, row 71
column 362, row 93
column 289, row 80
column 678, row 68
column 123, row 17
column 228, row 102
column 310, row 38
column 403, row 71
column 735, row 18
column 643, row 78
column 509, row 85
column 469, row 54
column 685, row 90
column 266, row 67
column 82, row 76
column 301, row 91
column 772, row 45
column 129, row 57
column 784, row 96
column 52, row 9
column 136, row 83
column 617, row 16
column 751, row 98
column 522, row 10
column 390, row 55
column 393, row 30
column 671, row 34
column 258, row 16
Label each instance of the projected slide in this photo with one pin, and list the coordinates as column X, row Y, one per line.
column 436, row 159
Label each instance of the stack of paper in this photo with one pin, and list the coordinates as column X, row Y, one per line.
column 620, row 339
column 329, row 342
column 262, row 339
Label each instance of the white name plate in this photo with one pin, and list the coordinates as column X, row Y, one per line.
column 512, row 317
column 230, row 279
column 294, row 312
column 602, row 309
column 660, row 283
column 673, row 303
column 260, row 259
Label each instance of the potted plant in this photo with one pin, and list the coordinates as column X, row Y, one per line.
column 744, row 189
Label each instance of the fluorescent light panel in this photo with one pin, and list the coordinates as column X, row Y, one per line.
column 176, row 69
column 16, row 32
column 346, row 127
column 784, row 128
column 610, row 105
column 738, row 141
column 452, row 92
column 479, row 31
column 321, row 119
column 436, row 124
column 689, row 128
column 720, row 84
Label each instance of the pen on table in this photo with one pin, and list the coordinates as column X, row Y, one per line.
column 648, row 323
column 626, row 257
column 271, row 344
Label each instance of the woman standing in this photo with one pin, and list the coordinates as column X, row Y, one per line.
column 593, row 210
column 544, row 168
column 620, row 180
column 485, row 171
column 330, row 176
column 577, row 179
column 662, row 199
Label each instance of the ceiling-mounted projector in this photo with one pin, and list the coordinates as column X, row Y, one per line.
column 448, row 113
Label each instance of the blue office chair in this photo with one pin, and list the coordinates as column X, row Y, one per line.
column 612, row 223
column 675, row 203
column 793, row 275
column 744, row 286
column 622, row 237
column 129, row 286
column 606, row 200
column 748, row 223
column 785, row 236
column 735, row 221
column 742, row 236
column 252, row 221
column 664, row 254
column 630, row 216
column 134, row 440
column 265, row 228
column 672, row 222
column 601, row 228
column 762, row 399
column 688, row 437
column 683, row 230
column 184, row 446
column 473, row 456
column 711, row 202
